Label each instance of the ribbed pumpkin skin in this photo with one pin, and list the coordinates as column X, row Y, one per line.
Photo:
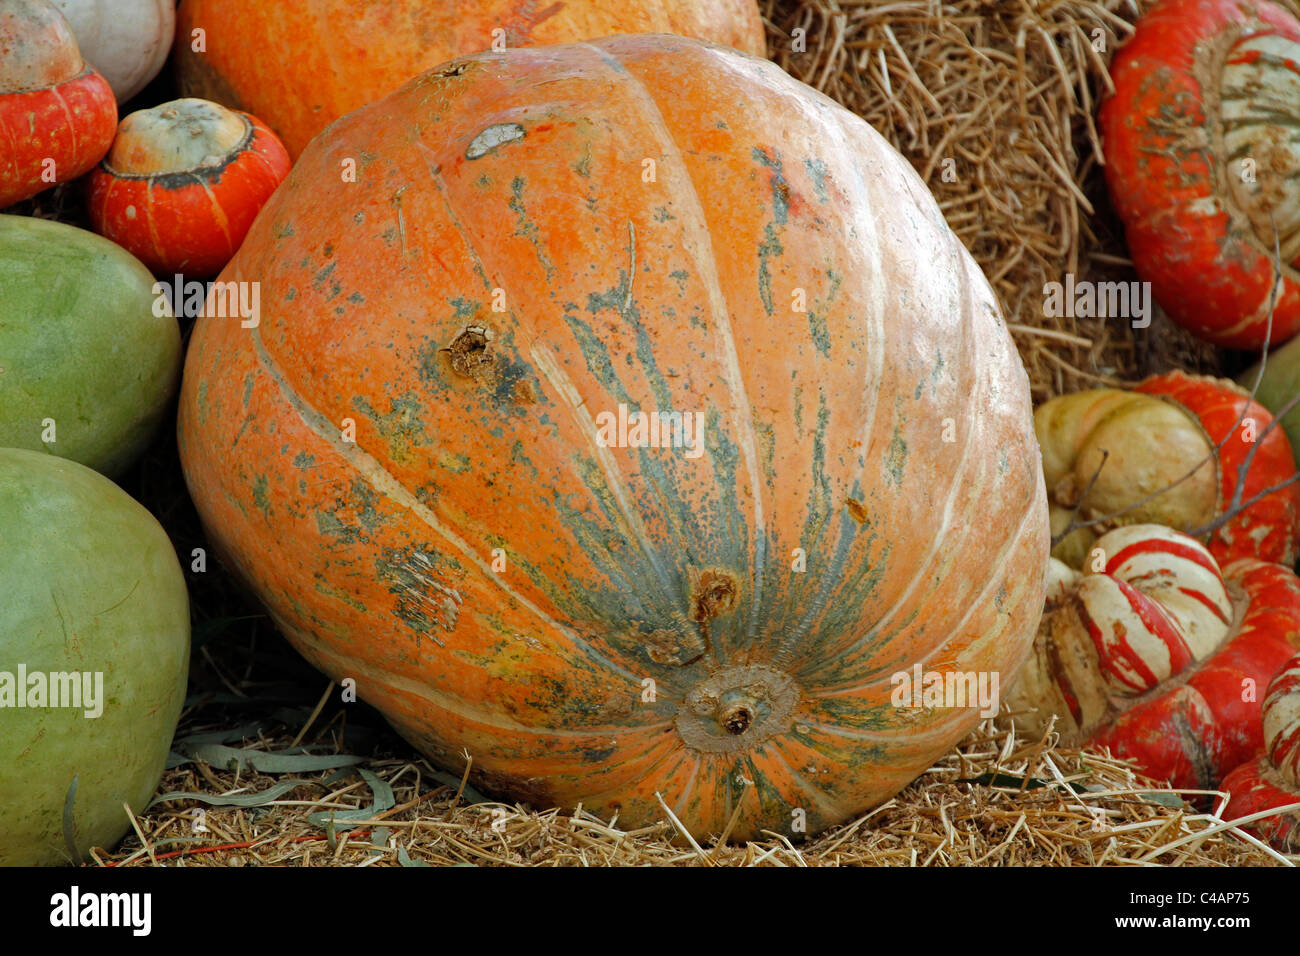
column 334, row 56
column 823, row 431
column 1202, row 84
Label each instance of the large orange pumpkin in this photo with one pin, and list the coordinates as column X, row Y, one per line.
column 301, row 64
column 415, row 458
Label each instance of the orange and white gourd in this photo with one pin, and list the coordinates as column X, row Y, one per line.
column 183, row 183
column 57, row 113
column 1156, row 654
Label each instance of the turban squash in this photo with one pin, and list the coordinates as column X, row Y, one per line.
column 334, row 56
column 1272, row 780
column 1160, row 656
column 414, row 461
column 57, row 113
column 1124, row 448
column 1203, row 162
column 183, row 182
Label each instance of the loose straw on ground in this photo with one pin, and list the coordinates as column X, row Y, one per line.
column 994, row 800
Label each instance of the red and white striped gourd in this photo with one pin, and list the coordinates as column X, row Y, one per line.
column 1154, row 653
column 1152, row 437
column 1272, row 781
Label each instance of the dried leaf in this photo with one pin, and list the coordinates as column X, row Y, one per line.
column 384, row 800
column 404, row 858
column 283, row 761
column 259, row 799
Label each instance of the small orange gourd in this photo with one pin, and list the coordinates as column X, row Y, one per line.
column 183, row 182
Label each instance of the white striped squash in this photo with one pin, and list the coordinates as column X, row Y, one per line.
column 1282, row 722
column 1150, row 601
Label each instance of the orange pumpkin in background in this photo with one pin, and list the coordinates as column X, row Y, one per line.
column 428, row 457
column 301, row 64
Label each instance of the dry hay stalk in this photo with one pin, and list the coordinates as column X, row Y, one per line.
column 1007, row 91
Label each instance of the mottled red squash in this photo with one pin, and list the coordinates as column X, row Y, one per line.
column 1201, row 148
column 333, row 56
column 1159, row 656
column 415, row 457
column 1272, row 781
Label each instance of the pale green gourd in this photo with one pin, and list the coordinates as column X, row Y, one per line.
column 85, row 344
column 90, row 584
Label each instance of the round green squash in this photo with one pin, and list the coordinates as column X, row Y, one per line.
column 89, row 585
column 89, row 355
column 1280, row 384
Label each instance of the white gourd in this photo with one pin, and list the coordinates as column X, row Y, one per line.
column 126, row 40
